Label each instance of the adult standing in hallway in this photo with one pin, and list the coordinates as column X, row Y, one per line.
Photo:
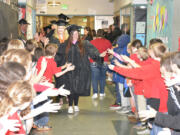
column 22, row 30
column 87, row 34
column 78, row 52
column 99, row 70
column 59, row 37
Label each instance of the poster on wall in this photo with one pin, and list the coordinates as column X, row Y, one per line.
column 22, row 13
column 141, row 37
column 41, row 6
column 160, row 18
column 140, row 27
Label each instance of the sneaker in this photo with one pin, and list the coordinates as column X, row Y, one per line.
column 144, row 132
column 115, row 106
column 139, row 126
column 95, row 95
column 102, row 94
column 70, row 110
column 76, row 109
column 43, row 128
column 124, row 110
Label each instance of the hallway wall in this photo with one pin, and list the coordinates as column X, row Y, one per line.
column 83, row 7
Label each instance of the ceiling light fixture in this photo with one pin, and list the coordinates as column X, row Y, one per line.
column 54, row 3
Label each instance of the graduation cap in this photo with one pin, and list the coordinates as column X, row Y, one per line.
column 23, row 21
column 47, row 27
column 61, row 23
column 63, row 17
column 53, row 22
column 73, row 27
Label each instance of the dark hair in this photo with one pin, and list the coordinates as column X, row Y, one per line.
column 155, row 40
column 3, row 47
column 30, row 45
column 94, row 33
column 38, row 52
column 9, row 73
column 100, row 33
column 136, row 43
column 80, row 44
column 51, row 49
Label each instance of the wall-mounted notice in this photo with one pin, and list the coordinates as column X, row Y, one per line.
column 140, row 27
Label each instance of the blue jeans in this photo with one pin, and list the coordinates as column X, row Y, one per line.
column 155, row 129
column 42, row 119
column 98, row 76
column 118, row 95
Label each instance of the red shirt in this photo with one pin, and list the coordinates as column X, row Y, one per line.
column 21, row 129
column 51, row 68
column 153, row 83
column 102, row 45
column 138, row 84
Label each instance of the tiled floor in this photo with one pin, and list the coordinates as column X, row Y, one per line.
column 94, row 118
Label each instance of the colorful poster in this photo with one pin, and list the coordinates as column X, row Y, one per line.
column 159, row 21
column 141, row 37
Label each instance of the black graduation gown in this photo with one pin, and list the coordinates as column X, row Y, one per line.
column 60, row 60
column 78, row 81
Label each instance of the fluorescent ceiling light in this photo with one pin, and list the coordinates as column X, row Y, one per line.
column 143, row 7
column 54, row 3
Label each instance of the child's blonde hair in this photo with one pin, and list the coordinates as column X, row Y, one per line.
column 21, row 92
column 6, row 104
column 15, row 44
column 143, row 53
column 18, row 55
column 51, row 49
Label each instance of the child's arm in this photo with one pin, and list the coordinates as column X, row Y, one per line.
column 69, row 68
column 37, row 77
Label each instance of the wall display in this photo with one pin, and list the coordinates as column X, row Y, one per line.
column 141, row 37
column 140, row 27
column 159, row 25
column 102, row 22
column 41, row 6
column 8, row 22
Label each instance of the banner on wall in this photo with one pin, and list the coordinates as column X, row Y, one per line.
column 159, row 21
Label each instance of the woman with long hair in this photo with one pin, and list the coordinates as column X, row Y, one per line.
column 78, row 52
column 87, row 34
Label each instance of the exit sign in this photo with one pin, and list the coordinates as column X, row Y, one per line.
column 64, row 6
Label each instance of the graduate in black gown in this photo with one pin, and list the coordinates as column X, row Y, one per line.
column 78, row 52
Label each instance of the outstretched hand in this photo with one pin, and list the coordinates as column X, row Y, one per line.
column 111, row 67
column 147, row 114
column 50, row 107
column 63, row 92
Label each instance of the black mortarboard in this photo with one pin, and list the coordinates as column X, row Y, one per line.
column 23, row 21
column 63, row 17
column 61, row 23
column 53, row 22
column 47, row 27
column 73, row 27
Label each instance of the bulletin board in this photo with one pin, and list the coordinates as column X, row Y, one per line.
column 8, row 21
column 159, row 21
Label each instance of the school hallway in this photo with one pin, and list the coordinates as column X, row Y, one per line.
column 94, row 118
